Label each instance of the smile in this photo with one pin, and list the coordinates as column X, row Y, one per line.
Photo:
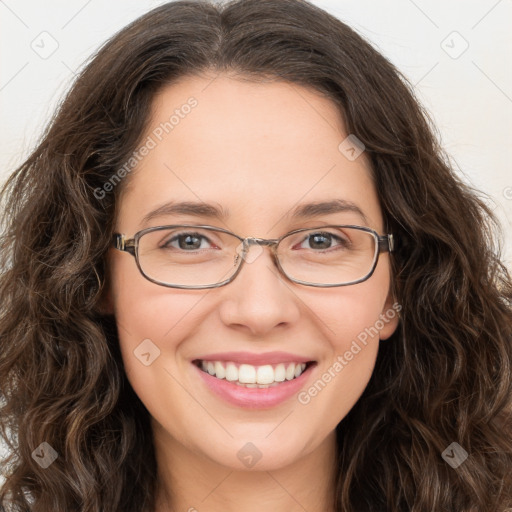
column 250, row 376
column 254, row 386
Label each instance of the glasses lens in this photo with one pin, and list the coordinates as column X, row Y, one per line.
column 188, row 256
column 192, row 256
column 332, row 256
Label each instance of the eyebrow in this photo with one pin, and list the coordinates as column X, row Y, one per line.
column 213, row 211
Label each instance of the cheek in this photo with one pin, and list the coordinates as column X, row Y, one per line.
column 151, row 320
column 350, row 321
column 144, row 309
column 343, row 374
column 151, row 329
column 353, row 313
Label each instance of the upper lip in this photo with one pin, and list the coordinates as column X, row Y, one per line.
column 255, row 359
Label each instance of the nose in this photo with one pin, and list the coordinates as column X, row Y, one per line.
column 260, row 298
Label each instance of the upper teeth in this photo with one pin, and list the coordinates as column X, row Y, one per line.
column 249, row 374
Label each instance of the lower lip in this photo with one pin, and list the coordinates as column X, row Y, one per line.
column 255, row 398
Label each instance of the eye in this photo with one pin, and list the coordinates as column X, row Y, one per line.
column 324, row 240
column 186, row 241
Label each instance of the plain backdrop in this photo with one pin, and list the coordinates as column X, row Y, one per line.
column 456, row 54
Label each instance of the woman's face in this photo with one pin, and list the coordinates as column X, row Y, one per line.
column 258, row 151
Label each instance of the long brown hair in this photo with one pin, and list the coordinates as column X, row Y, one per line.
column 443, row 377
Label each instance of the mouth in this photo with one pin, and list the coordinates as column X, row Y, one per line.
column 248, row 386
column 251, row 376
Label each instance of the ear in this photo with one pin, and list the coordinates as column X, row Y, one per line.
column 390, row 316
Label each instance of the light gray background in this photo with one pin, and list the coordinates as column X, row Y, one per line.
column 467, row 91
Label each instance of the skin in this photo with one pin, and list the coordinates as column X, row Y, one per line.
column 257, row 149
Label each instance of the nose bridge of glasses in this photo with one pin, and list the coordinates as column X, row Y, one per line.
column 250, row 240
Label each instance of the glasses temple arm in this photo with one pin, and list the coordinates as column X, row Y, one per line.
column 120, row 242
column 386, row 243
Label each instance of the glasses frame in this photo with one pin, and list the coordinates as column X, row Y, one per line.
column 383, row 243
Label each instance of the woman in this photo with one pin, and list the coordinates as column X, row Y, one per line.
column 239, row 274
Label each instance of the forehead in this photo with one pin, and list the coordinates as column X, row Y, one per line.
column 257, row 149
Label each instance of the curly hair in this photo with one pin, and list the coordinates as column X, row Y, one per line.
column 444, row 376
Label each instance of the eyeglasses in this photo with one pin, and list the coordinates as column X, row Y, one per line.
column 197, row 257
